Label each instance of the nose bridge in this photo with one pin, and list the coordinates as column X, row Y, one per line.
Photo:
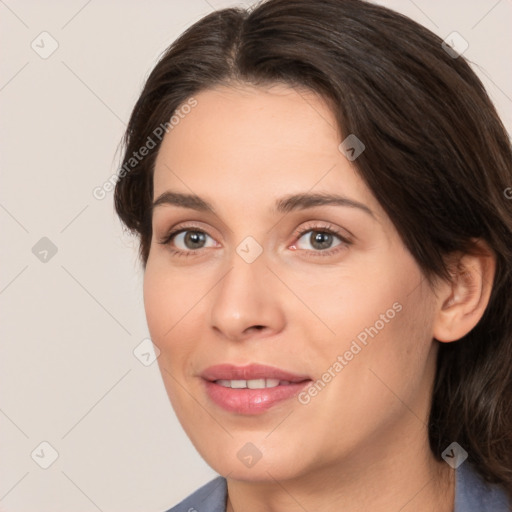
column 244, row 296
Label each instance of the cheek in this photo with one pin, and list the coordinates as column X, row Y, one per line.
column 156, row 304
column 363, row 303
column 168, row 297
column 176, row 305
column 381, row 326
column 389, row 347
column 380, row 380
column 169, row 327
column 165, row 311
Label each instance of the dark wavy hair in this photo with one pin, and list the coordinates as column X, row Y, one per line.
column 438, row 159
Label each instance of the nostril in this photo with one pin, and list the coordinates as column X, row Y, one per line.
column 254, row 328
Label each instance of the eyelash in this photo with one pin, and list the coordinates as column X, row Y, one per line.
column 297, row 235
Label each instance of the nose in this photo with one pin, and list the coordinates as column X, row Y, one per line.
column 248, row 301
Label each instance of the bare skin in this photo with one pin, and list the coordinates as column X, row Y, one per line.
column 361, row 443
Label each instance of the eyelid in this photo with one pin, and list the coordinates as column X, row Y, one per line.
column 329, row 228
column 176, row 230
column 346, row 240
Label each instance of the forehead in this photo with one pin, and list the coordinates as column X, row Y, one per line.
column 256, row 141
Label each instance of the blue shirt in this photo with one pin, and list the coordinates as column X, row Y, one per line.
column 472, row 494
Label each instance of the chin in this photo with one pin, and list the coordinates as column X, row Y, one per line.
column 242, row 460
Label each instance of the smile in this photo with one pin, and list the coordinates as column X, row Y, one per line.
column 252, row 383
column 251, row 389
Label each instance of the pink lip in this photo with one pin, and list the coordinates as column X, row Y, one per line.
column 250, row 401
column 251, row 371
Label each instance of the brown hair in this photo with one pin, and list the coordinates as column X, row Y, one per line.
column 437, row 158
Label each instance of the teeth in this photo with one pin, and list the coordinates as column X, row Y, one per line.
column 256, row 384
column 251, row 383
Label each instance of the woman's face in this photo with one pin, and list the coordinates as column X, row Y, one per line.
column 324, row 292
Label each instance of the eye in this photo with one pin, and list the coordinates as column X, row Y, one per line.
column 321, row 240
column 188, row 241
column 191, row 239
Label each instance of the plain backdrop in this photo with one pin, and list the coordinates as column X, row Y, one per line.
column 70, row 284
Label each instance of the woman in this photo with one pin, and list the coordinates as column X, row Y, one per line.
column 320, row 192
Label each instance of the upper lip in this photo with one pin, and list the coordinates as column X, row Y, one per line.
column 249, row 372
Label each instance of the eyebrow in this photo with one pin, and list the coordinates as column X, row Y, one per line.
column 292, row 202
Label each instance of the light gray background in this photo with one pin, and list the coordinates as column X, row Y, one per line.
column 68, row 375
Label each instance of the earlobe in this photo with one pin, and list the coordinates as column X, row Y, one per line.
column 462, row 301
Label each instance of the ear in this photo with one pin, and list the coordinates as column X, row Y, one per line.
column 462, row 301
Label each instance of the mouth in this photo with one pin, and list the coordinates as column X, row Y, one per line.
column 252, row 383
column 251, row 389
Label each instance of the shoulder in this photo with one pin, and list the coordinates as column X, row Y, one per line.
column 211, row 497
column 473, row 494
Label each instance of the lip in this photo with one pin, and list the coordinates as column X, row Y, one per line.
column 251, row 371
column 251, row 401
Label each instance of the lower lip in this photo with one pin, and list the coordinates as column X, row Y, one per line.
column 251, row 401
